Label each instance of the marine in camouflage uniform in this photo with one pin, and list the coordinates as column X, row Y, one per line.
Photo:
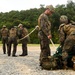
column 63, row 20
column 69, row 42
column 44, row 33
column 58, row 54
column 4, row 35
column 12, row 40
column 22, row 31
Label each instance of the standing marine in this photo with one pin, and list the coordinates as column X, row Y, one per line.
column 22, row 32
column 12, row 40
column 44, row 33
column 4, row 35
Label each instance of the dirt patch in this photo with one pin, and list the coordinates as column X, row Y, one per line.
column 27, row 65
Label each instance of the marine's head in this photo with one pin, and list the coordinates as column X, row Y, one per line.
column 63, row 19
column 50, row 9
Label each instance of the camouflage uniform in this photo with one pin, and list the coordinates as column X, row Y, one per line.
column 63, row 29
column 63, row 21
column 45, row 30
column 12, row 40
column 4, row 35
column 69, row 31
column 23, row 32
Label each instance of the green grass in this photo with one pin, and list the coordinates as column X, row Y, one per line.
column 35, row 45
column 39, row 45
column 54, row 44
column 30, row 44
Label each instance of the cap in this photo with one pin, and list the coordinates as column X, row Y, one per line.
column 4, row 26
column 50, row 7
column 20, row 25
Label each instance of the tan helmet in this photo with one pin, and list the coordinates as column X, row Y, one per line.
column 20, row 25
column 50, row 7
column 4, row 26
column 64, row 19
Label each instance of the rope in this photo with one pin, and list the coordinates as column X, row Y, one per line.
column 53, row 44
column 28, row 34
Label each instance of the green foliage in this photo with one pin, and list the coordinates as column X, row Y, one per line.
column 34, row 37
column 29, row 19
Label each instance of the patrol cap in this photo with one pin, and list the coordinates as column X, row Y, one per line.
column 63, row 19
column 50, row 7
column 4, row 26
column 20, row 25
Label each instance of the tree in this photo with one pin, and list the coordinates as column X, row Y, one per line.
column 29, row 19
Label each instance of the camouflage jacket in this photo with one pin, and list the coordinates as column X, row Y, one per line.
column 4, row 32
column 65, row 31
column 22, row 33
column 12, row 32
column 44, row 24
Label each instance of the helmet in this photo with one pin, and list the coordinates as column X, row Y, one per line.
column 64, row 19
column 4, row 26
column 50, row 7
column 20, row 25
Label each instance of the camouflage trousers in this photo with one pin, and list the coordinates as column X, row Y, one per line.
column 68, row 45
column 12, row 40
column 5, row 44
column 44, row 45
column 24, row 48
